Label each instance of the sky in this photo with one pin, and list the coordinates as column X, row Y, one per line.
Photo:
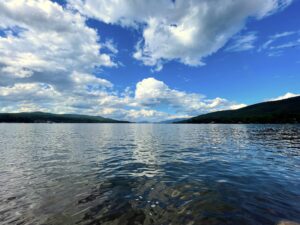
column 141, row 60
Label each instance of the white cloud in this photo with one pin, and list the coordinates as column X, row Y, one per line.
column 242, row 43
column 278, row 42
column 285, row 96
column 289, row 44
column 283, row 34
column 23, row 107
column 28, row 93
column 111, row 46
column 237, row 106
column 183, row 30
column 154, row 93
column 91, row 95
column 83, row 79
column 16, row 71
column 47, row 56
column 44, row 40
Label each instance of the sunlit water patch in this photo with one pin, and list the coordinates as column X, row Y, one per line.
column 149, row 174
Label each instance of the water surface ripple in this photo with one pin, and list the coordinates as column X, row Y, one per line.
column 149, row 174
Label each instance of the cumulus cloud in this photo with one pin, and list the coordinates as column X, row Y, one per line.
column 42, row 39
column 83, row 79
column 182, row 30
column 154, row 93
column 26, row 91
column 285, row 96
column 142, row 104
column 47, row 57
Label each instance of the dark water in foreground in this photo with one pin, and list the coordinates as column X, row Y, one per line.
column 149, row 174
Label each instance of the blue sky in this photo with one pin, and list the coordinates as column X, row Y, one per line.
column 147, row 60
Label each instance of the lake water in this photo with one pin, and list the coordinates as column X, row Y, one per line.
column 149, row 174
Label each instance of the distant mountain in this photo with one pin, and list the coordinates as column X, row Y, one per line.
column 282, row 111
column 41, row 117
column 145, row 121
column 172, row 120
